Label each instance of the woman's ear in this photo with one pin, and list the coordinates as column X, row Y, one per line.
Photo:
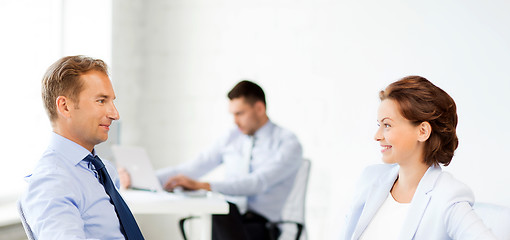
column 424, row 131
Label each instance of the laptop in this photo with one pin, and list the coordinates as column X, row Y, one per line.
column 136, row 161
column 143, row 177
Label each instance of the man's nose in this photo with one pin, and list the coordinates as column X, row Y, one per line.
column 113, row 113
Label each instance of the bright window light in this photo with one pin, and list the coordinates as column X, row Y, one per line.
column 35, row 34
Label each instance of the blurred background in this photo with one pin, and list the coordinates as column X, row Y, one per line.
column 320, row 62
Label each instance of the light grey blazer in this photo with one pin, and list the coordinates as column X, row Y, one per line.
column 441, row 207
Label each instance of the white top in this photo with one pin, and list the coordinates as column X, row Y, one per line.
column 388, row 220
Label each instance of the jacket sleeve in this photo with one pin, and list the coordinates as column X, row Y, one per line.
column 460, row 219
column 463, row 223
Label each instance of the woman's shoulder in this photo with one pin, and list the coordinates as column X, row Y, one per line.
column 451, row 190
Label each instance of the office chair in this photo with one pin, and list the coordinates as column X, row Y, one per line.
column 27, row 228
column 495, row 217
column 293, row 212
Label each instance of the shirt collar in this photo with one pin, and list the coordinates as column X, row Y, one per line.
column 264, row 131
column 69, row 149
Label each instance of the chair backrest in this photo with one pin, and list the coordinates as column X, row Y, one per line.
column 496, row 217
column 28, row 231
column 294, row 208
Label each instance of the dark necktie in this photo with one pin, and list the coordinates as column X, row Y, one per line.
column 128, row 224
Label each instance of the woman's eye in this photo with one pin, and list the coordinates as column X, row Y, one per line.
column 387, row 125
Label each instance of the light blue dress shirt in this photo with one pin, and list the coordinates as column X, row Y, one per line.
column 64, row 199
column 276, row 158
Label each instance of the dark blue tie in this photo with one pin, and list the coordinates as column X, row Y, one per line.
column 128, row 225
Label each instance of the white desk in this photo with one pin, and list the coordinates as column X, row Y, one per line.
column 143, row 202
column 9, row 214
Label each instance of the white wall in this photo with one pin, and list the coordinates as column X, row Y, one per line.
column 321, row 64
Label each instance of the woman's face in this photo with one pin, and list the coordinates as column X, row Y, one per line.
column 397, row 136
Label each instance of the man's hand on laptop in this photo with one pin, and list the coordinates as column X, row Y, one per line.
column 125, row 179
column 185, row 182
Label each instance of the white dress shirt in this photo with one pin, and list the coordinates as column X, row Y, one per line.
column 275, row 159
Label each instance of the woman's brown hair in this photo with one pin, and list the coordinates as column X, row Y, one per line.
column 421, row 101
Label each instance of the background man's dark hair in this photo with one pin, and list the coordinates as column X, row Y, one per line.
column 249, row 90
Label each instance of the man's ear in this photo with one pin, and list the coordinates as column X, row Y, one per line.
column 424, row 131
column 63, row 107
column 260, row 107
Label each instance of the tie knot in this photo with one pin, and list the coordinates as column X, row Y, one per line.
column 96, row 161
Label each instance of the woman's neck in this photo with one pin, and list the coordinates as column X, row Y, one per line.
column 409, row 176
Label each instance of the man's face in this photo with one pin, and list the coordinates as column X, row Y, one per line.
column 246, row 116
column 91, row 117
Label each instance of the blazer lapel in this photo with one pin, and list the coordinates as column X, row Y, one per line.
column 377, row 194
column 420, row 202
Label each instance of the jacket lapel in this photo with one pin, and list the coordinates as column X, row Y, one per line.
column 420, row 202
column 377, row 194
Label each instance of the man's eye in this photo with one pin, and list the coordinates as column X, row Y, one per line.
column 100, row 101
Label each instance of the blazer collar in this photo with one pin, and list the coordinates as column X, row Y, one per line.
column 379, row 192
column 420, row 202
column 376, row 196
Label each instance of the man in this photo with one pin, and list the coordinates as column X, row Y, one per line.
column 70, row 194
column 261, row 161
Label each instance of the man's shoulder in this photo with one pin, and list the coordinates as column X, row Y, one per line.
column 283, row 135
column 49, row 163
column 282, row 131
column 51, row 177
column 52, row 166
column 276, row 133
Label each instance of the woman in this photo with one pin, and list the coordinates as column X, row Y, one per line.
column 410, row 197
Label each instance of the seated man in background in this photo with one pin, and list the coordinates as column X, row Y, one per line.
column 70, row 194
column 261, row 161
